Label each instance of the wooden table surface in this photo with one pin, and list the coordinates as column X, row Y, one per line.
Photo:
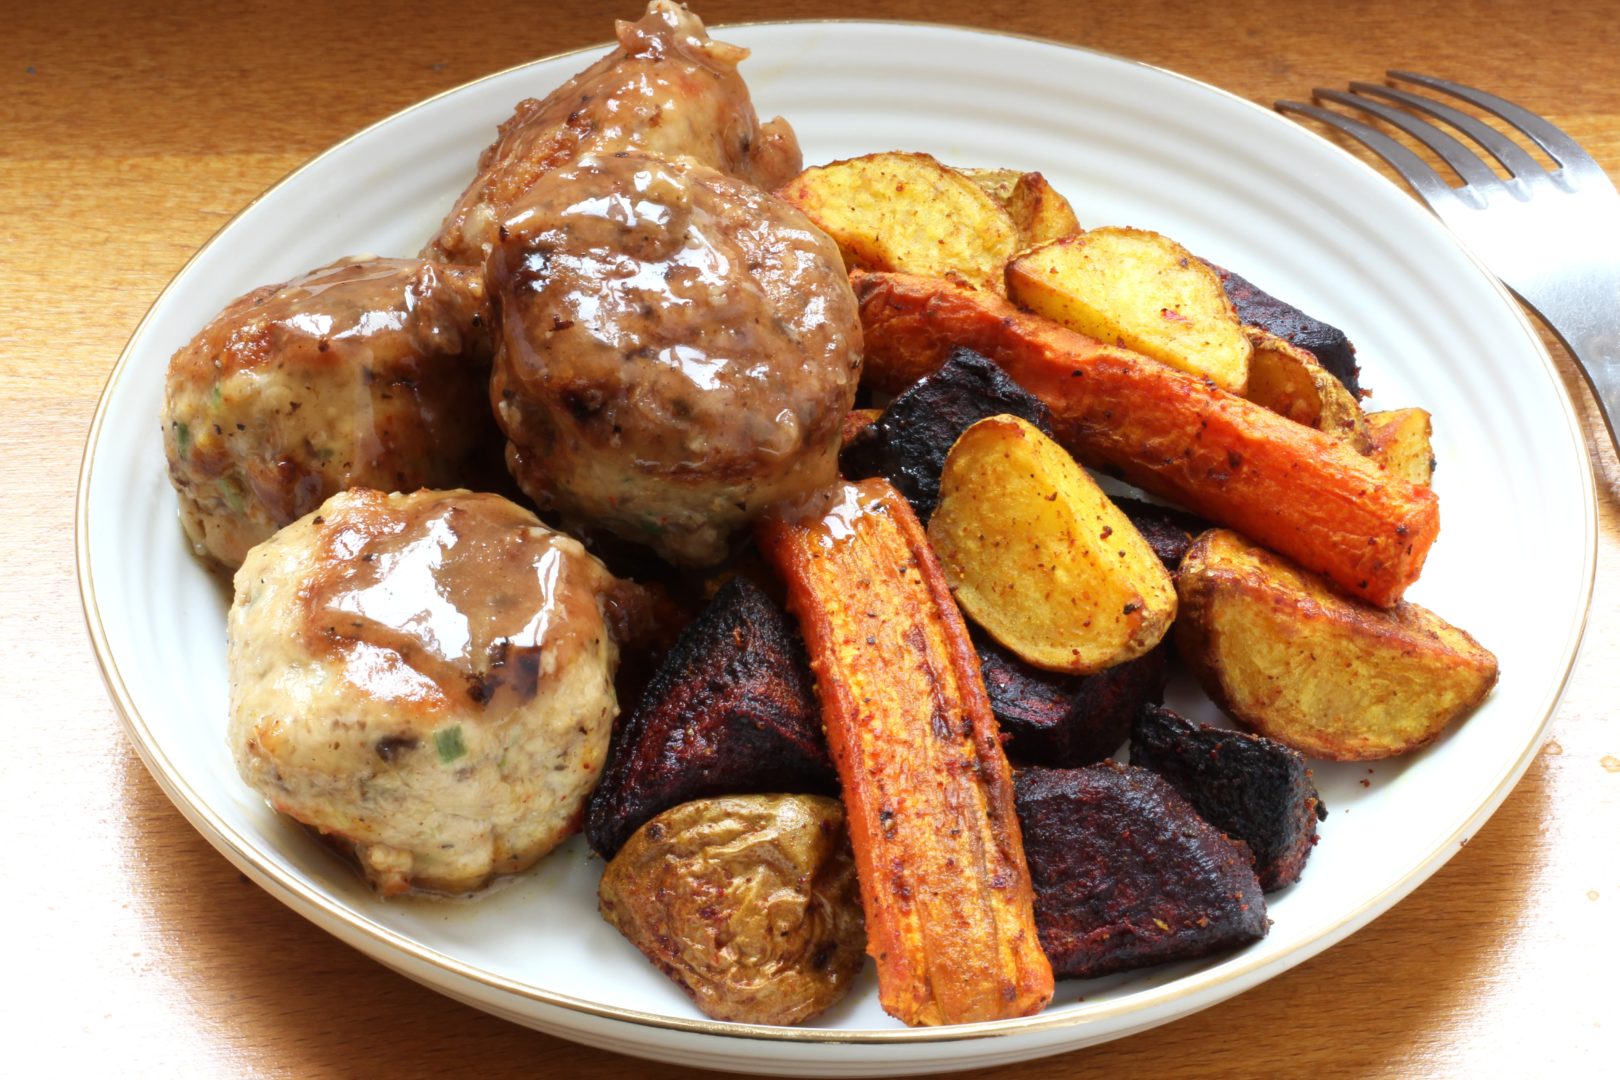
column 129, row 132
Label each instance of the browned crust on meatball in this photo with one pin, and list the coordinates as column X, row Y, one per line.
column 367, row 372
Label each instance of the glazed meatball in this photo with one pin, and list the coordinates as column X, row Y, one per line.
column 365, row 373
column 676, row 350
column 667, row 89
column 425, row 677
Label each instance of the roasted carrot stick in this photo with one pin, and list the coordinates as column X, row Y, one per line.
column 928, row 793
column 1300, row 492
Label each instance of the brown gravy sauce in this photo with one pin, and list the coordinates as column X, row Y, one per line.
column 454, row 596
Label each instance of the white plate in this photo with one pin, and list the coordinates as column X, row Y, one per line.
column 1129, row 144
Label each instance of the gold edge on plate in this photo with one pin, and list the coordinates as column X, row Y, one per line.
column 291, row 890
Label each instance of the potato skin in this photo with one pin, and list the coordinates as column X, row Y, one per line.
column 1037, row 555
column 1289, row 381
column 747, row 901
column 1037, row 210
column 1329, row 676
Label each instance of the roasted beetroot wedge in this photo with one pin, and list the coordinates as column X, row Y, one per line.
column 1065, row 721
column 908, row 443
column 730, row 711
column 1250, row 787
column 1169, row 532
column 1126, row 873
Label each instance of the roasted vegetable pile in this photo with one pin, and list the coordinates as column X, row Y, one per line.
column 985, row 626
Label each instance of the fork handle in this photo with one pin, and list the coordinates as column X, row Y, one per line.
column 1585, row 314
column 1598, row 354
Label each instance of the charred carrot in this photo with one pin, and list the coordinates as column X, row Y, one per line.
column 927, row 789
column 1298, row 491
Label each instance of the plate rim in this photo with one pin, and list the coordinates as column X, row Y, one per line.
column 1230, row 976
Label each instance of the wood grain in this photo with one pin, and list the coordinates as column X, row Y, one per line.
column 130, row 131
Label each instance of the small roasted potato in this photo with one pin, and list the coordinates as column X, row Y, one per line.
column 1141, row 291
column 1330, row 676
column 1039, row 212
column 907, row 212
column 1039, row 557
column 748, row 902
column 1400, row 441
column 1288, row 380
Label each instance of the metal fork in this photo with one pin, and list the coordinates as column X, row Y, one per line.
column 1553, row 237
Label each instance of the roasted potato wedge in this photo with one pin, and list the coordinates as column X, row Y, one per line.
column 1141, row 291
column 1327, row 675
column 1256, row 307
column 1038, row 556
column 1288, row 380
column 1039, row 212
column 1400, row 441
column 907, row 212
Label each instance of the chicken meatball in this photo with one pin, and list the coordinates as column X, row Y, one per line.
column 667, row 89
column 365, row 373
column 425, row 677
column 675, row 351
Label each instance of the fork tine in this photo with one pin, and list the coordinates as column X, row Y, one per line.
column 1467, row 163
column 1504, row 149
column 1417, row 172
column 1563, row 149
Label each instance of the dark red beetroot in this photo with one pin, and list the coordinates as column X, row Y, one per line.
column 1169, row 532
column 1065, row 721
column 1126, row 874
column 730, row 711
column 1252, row 788
column 908, row 444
